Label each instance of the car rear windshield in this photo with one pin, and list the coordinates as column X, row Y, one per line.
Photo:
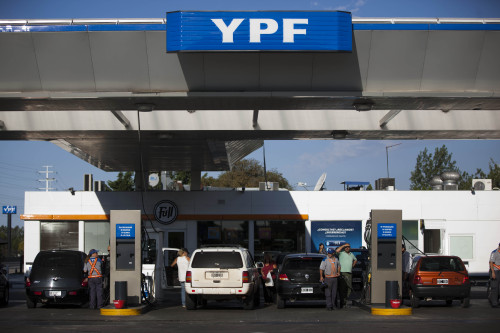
column 441, row 264
column 302, row 264
column 217, row 260
column 58, row 260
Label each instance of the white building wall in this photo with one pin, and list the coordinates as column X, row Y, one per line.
column 461, row 212
column 31, row 242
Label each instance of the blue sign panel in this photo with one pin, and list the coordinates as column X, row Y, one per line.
column 9, row 209
column 125, row 231
column 386, row 230
column 335, row 233
column 259, row 31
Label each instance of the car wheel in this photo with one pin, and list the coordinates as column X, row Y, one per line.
column 465, row 302
column 414, row 301
column 5, row 300
column 280, row 302
column 249, row 302
column 30, row 304
column 191, row 301
column 449, row 302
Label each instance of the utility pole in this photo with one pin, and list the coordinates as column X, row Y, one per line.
column 47, row 180
column 387, row 156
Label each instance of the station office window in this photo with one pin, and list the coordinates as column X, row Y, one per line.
column 97, row 236
column 462, row 246
column 59, row 235
column 278, row 236
column 223, row 232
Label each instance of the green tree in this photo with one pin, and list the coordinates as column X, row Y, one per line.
column 183, row 176
column 123, row 183
column 17, row 240
column 246, row 173
column 429, row 165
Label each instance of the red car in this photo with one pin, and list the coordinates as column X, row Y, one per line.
column 439, row 278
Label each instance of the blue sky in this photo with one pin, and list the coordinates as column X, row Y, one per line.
column 298, row 161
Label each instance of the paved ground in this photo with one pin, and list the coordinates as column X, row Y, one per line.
column 168, row 315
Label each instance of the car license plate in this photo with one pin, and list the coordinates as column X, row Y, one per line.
column 442, row 281
column 306, row 290
column 216, row 275
column 55, row 293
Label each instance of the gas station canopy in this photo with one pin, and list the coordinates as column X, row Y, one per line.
column 106, row 89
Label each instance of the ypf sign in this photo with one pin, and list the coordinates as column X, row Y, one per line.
column 165, row 212
column 255, row 31
column 9, row 209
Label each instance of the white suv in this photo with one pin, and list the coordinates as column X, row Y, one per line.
column 222, row 272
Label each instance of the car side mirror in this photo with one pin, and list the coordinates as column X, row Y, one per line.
column 259, row 264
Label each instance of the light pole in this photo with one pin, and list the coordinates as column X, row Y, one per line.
column 387, row 156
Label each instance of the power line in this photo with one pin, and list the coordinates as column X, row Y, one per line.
column 17, row 166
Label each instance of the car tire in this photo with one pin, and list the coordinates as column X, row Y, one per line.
column 30, row 304
column 191, row 301
column 5, row 299
column 449, row 302
column 280, row 302
column 466, row 302
column 414, row 301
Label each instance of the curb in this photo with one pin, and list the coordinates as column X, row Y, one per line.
column 110, row 310
column 403, row 311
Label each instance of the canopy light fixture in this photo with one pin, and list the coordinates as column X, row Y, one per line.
column 363, row 105
column 145, row 107
column 339, row 135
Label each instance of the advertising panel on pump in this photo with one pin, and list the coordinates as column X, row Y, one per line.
column 259, row 31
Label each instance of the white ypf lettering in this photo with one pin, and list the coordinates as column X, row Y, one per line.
column 227, row 31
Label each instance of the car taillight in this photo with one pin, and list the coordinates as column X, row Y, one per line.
column 465, row 279
column 245, row 277
column 85, row 283
column 188, row 277
column 27, row 283
column 283, row 277
column 417, row 279
column 38, row 293
column 72, row 293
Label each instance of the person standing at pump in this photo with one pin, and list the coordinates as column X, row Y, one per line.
column 329, row 271
column 406, row 262
column 347, row 262
column 93, row 266
column 182, row 262
column 268, row 272
column 495, row 276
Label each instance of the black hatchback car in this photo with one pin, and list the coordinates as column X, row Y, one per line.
column 299, row 279
column 57, row 277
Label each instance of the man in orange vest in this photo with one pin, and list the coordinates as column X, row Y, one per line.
column 495, row 276
column 93, row 267
column 330, row 268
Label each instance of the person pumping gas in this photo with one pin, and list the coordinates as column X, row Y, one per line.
column 93, row 266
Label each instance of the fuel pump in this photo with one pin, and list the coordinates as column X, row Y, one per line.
column 125, row 258
column 386, row 236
